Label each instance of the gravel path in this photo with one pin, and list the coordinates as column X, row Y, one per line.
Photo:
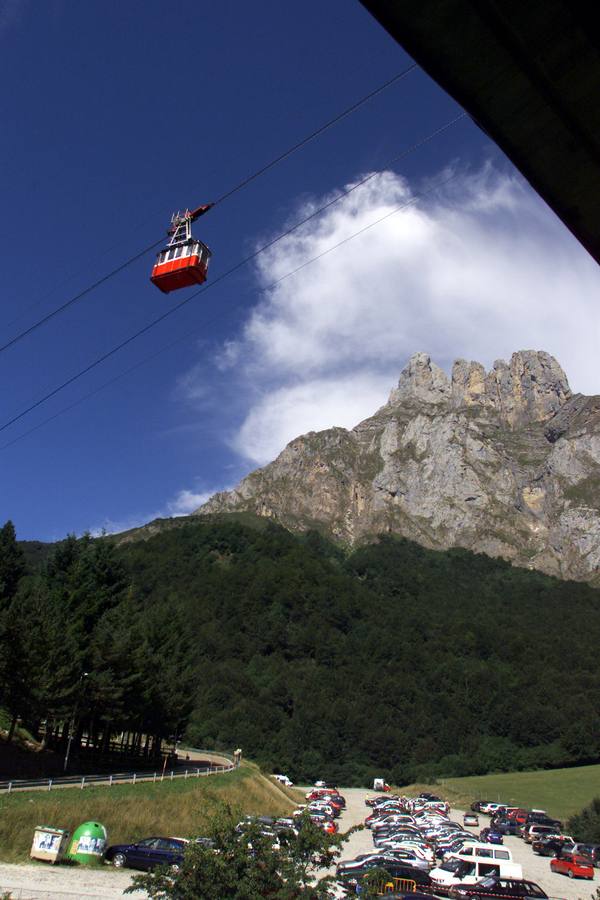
column 46, row 882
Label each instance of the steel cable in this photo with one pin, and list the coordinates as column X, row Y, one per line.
column 174, row 309
column 87, row 290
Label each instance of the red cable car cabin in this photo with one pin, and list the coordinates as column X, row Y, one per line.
column 184, row 261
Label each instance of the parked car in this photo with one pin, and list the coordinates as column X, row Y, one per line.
column 320, row 793
column 471, row 820
column 494, row 887
column 476, row 806
column 393, row 869
column 283, row 779
column 518, row 815
column 490, row 836
column 420, row 851
column 592, row 851
column 553, row 846
column 573, row 865
column 207, row 843
column 327, row 825
column 148, row 853
column 542, row 818
column 463, row 872
column 489, row 807
column 534, row 831
column 507, row 826
column 382, row 798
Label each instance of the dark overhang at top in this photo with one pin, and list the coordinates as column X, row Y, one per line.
column 528, row 72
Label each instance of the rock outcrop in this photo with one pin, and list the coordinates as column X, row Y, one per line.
column 505, row 462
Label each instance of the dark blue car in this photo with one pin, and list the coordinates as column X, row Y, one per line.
column 148, row 854
column 491, row 836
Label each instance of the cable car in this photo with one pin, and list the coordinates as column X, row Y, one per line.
column 184, row 261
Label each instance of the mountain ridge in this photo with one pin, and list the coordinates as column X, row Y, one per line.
column 504, row 462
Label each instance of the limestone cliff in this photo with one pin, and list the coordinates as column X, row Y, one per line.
column 505, row 462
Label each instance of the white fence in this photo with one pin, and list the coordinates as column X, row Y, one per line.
column 83, row 781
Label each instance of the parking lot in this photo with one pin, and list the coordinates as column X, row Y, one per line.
column 41, row 882
column 535, row 868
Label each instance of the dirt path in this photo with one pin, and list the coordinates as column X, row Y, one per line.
column 41, row 882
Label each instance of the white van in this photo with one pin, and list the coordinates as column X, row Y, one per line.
column 484, row 851
column 470, row 868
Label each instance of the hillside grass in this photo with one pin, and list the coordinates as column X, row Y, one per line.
column 130, row 812
column 561, row 792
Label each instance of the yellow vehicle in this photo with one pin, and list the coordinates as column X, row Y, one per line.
column 397, row 886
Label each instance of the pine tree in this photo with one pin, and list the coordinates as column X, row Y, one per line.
column 12, row 563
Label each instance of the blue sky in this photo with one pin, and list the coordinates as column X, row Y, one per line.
column 114, row 115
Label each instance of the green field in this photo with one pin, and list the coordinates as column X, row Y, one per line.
column 130, row 812
column 561, row 792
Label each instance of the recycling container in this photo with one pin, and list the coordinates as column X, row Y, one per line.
column 49, row 843
column 88, row 842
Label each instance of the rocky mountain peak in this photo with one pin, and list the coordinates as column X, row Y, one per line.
column 422, row 380
column 532, row 387
column 504, row 462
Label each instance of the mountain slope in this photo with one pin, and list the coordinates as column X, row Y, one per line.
column 395, row 660
column 505, row 462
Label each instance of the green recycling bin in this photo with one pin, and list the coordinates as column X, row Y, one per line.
column 88, row 842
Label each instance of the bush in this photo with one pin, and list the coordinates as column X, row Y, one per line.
column 585, row 826
column 248, row 867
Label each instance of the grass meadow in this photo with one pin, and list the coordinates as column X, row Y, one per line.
column 179, row 808
column 561, row 792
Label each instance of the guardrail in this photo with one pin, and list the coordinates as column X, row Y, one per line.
column 83, row 781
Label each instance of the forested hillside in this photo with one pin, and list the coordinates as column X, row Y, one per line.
column 394, row 660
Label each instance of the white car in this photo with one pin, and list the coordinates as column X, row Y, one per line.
column 284, row 780
column 419, row 851
column 322, row 807
column 490, row 808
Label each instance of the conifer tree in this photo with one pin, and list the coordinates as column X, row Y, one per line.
column 12, row 563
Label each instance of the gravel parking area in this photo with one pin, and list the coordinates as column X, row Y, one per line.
column 535, row 868
column 40, row 882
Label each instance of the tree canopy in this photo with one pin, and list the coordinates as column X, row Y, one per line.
column 393, row 660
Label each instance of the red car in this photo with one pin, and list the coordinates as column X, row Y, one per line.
column 327, row 825
column 321, row 793
column 573, row 865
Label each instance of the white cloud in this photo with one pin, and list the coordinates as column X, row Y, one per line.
column 185, row 502
column 182, row 504
column 311, row 406
column 478, row 270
